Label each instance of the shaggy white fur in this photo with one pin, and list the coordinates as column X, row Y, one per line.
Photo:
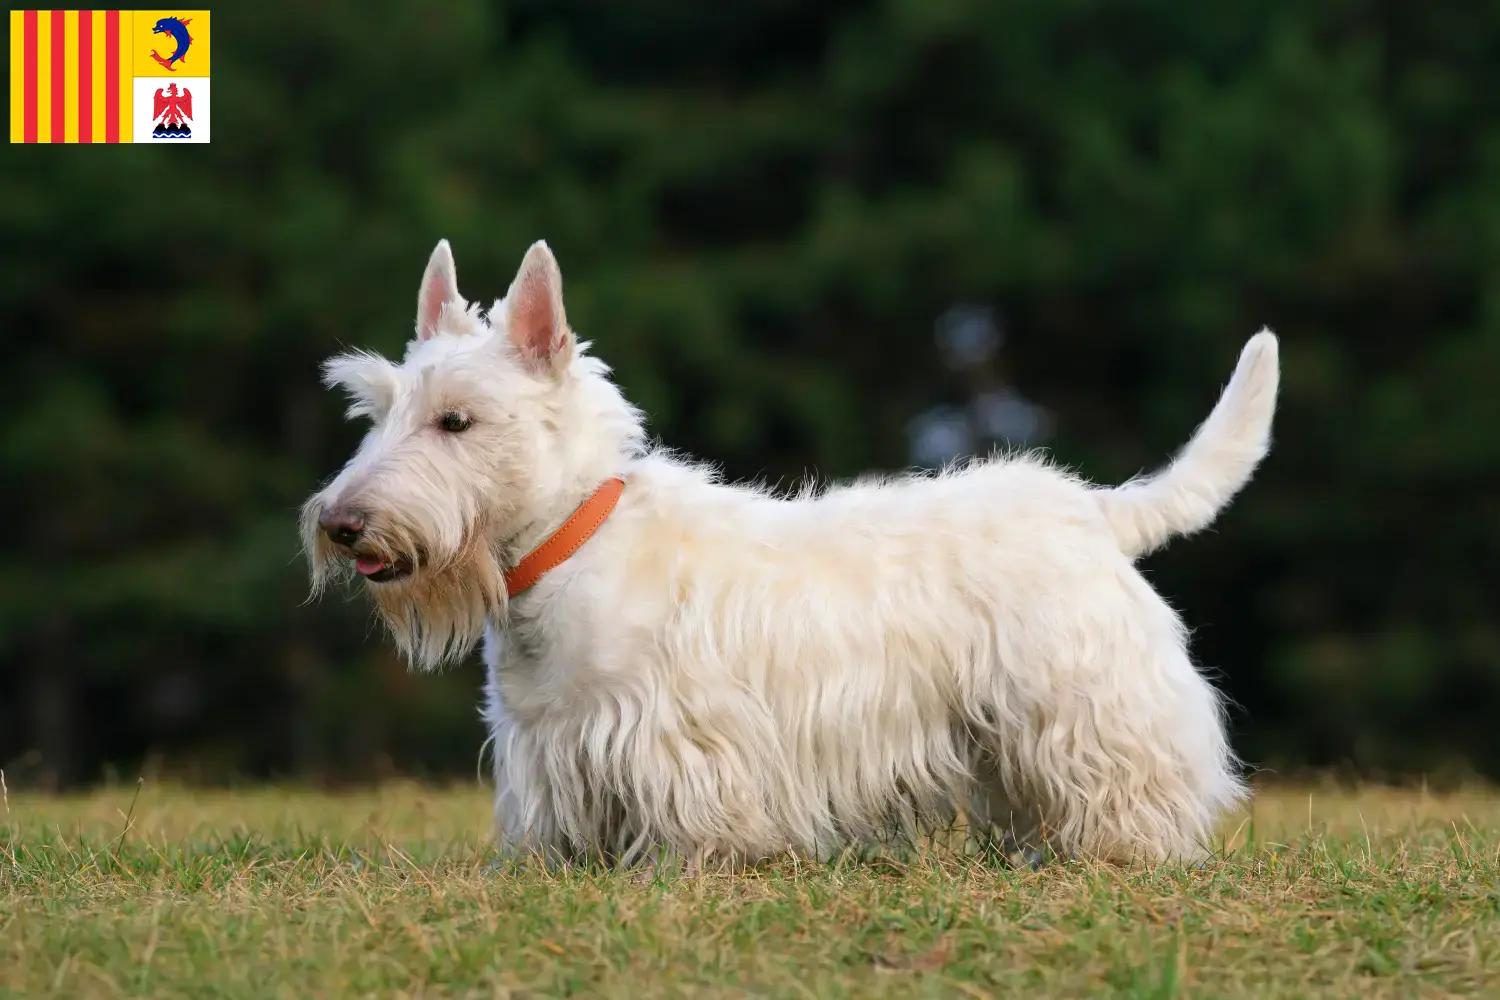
column 724, row 673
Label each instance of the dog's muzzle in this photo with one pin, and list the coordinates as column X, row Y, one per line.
column 345, row 528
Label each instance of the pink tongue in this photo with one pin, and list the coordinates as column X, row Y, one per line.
column 369, row 566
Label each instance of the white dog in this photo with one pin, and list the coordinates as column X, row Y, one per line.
column 691, row 666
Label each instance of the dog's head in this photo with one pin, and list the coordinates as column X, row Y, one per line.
column 490, row 428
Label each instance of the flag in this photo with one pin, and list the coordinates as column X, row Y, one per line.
column 109, row 76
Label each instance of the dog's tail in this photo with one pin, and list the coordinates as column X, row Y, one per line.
column 1219, row 460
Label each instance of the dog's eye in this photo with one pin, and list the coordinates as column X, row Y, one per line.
column 453, row 422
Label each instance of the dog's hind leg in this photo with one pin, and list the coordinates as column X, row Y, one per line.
column 1138, row 771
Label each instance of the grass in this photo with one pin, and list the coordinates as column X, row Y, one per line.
column 166, row 892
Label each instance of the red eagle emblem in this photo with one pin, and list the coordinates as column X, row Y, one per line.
column 172, row 110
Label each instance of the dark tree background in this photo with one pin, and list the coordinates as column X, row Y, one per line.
column 764, row 211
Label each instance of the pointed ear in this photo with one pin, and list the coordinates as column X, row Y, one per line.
column 535, row 320
column 439, row 290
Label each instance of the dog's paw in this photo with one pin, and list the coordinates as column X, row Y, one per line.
column 1022, row 855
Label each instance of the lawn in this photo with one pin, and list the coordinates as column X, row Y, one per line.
column 393, row 892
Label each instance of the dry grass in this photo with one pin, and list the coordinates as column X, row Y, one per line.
column 287, row 893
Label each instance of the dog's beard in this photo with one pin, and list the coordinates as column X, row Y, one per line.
column 436, row 613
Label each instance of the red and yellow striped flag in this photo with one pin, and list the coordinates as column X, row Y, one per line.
column 74, row 73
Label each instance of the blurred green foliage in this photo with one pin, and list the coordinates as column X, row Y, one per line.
column 761, row 209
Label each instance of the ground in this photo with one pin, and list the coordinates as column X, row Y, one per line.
column 155, row 891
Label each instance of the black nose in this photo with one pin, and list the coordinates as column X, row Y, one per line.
column 342, row 524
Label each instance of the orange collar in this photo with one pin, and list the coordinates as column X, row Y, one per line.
column 565, row 540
